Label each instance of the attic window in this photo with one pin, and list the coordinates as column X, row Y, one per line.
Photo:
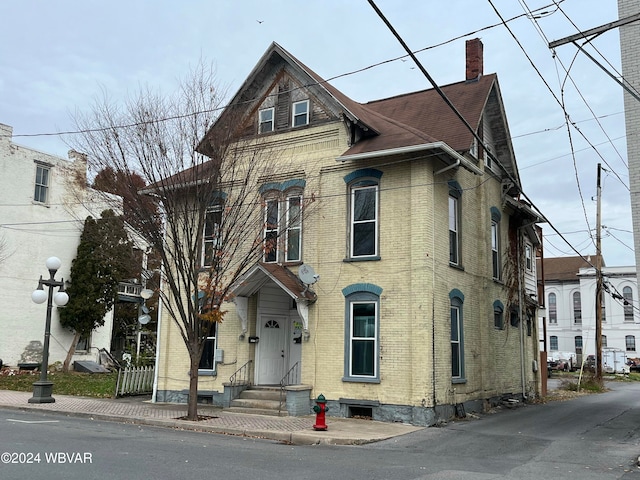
column 301, row 113
column 265, row 120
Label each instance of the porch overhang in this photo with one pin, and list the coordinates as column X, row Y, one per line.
column 260, row 274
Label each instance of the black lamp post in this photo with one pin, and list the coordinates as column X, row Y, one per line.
column 43, row 388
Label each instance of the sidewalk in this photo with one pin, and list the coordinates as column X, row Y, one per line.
column 139, row 410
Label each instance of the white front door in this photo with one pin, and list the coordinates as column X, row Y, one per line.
column 271, row 354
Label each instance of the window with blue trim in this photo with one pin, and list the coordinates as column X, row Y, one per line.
column 496, row 262
column 498, row 314
column 455, row 196
column 212, row 242
column 457, row 336
column 363, row 213
column 362, row 328
column 207, row 361
column 282, row 235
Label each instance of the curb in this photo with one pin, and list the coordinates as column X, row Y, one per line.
column 288, row 437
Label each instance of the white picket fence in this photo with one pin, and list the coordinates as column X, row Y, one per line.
column 135, row 381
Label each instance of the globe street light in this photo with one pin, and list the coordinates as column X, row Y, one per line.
column 43, row 388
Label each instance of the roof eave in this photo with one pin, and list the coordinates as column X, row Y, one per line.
column 423, row 147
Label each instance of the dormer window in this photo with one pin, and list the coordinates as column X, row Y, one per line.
column 266, row 120
column 300, row 113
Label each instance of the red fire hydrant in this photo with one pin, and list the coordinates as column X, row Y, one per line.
column 320, row 408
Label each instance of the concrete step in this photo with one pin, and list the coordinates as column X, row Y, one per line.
column 258, row 411
column 261, row 394
column 255, row 403
column 259, row 400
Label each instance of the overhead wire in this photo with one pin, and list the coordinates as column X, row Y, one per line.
column 292, row 89
column 502, row 22
column 460, row 116
column 557, row 59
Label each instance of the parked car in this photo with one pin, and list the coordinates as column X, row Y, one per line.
column 565, row 361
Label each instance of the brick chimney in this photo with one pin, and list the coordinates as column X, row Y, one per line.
column 474, row 59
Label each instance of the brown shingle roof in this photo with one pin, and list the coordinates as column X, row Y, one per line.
column 566, row 268
column 253, row 280
column 425, row 115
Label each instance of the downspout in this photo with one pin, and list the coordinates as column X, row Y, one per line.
column 453, row 165
column 154, row 395
column 158, row 329
column 433, row 307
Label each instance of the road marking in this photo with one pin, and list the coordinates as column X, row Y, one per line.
column 32, row 421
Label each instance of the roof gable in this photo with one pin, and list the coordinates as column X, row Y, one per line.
column 280, row 73
column 407, row 120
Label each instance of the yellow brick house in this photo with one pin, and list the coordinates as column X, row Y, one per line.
column 408, row 293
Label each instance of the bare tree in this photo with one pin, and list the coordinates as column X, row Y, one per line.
column 211, row 223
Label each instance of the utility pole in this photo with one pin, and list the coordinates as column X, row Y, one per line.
column 588, row 35
column 598, row 283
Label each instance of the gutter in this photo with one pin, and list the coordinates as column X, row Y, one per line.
column 460, row 159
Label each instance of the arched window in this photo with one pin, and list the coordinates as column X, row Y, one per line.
column 362, row 332
column 457, row 336
column 496, row 261
column 553, row 309
column 364, row 190
column 630, row 342
column 283, row 220
column 498, row 315
column 627, row 295
column 577, row 308
column 455, row 197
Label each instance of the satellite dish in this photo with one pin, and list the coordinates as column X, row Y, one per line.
column 146, row 293
column 144, row 319
column 307, row 275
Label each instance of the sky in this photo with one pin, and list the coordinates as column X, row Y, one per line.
column 57, row 57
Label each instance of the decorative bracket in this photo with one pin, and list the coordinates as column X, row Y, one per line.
column 242, row 308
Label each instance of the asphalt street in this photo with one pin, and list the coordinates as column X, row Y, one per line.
column 591, row 437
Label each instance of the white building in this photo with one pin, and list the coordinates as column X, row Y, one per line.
column 43, row 204
column 570, row 294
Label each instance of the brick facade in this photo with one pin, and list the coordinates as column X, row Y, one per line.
column 413, row 272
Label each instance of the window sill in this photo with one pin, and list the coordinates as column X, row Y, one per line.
column 207, row 373
column 498, row 280
column 362, row 259
column 361, row 379
column 456, row 266
column 458, row 380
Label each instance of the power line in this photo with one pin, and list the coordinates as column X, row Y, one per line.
column 458, row 114
column 223, row 107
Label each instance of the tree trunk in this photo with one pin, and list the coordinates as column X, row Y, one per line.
column 192, row 409
column 72, row 350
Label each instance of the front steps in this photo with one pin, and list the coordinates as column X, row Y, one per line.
column 259, row 400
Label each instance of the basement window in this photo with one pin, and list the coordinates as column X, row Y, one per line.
column 365, row 413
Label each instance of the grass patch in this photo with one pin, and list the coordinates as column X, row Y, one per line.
column 589, row 383
column 99, row 385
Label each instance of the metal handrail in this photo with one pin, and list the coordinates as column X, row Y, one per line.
column 243, row 372
column 286, row 380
